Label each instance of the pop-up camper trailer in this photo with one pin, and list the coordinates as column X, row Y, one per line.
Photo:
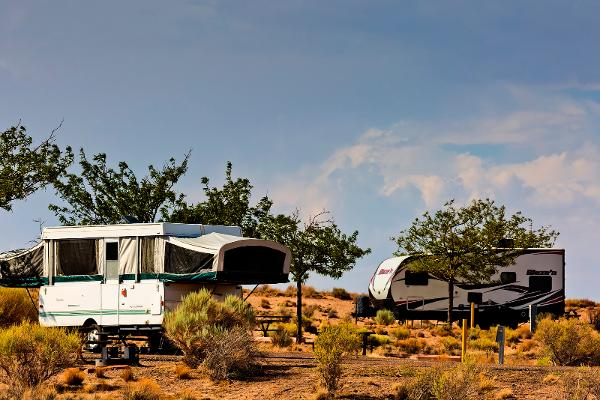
column 124, row 277
column 536, row 278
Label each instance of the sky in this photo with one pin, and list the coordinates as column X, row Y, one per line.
column 374, row 110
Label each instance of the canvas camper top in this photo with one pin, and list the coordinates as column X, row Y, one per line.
column 138, row 229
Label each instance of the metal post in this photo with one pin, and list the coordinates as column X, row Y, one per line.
column 532, row 317
column 464, row 340
column 500, row 336
column 472, row 315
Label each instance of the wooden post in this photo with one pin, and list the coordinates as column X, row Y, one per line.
column 500, row 336
column 532, row 317
column 472, row 315
column 464, row 340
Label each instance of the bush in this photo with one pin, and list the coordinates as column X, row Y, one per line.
column 290, row 291
column 331, row 345
column 16, row 307
column 281, row 338
column 72, row 377
column 384, row 317
column 308, row 311
column 451, row 344
column 341, row 293
column 264, row 303
column 30, row 354
column 513, row 336
column 183, row 372
column 457, row 383
column 400, row 333
column 199, row 321
column 332, row 314
column 310, row 292
column 484, row 344
column 232, row 354
column 444, row 330
column 579, row 303
column 569, row 342
column 379, row 340
column 144, row 389
column 127, row 374
column 411, row 345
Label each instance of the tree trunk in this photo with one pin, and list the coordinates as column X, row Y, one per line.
column 299, row 312
column 450, row 300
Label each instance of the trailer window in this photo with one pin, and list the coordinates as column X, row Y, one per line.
column 112, row 260
column 183, row 261
column 112, row 251
column 540, row 284
column 416, row 278
column 76, row 257
column 508, row 277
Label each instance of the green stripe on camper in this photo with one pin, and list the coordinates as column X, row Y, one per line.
column 92, row 312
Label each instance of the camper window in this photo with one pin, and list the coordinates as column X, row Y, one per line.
column 112, row 260
column 416, row 278
column 183, row 261
column 76, row 257
column 540, row 284
column 508, row 277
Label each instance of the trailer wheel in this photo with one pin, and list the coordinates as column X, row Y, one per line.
column 93, row 335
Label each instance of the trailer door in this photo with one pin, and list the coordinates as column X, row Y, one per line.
column 110, row 285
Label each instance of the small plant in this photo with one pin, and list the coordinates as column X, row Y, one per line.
column 331, row 345
column 456, row 383
column 341, row 293
column 16, row 307
column 30, row 354
column 411, row 345
column 144, row 389
column 569, row 341
column 308, row 311
column 127, row 374
column 445, row 330
column 264, row 303
column 183, row 372
column 332, row 314
column 232, row 353
column 310, row 292
column 579, row 303
column 281, row 338
column 504, row 394
column 290, row 291
column 384, row 317
column 100, row 372
column 72, row 377
column 484, row 344
column 451, row 344
column 400, row 333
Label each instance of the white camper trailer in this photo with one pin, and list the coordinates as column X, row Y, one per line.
column 122, row 278
column 536, row 278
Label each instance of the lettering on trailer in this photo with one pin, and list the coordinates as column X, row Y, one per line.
column 540, row 272
column 385, row 271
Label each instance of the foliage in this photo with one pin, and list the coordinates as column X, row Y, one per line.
column 411, row 345
column 230, row 353
column 30, row 354
column 484, row 344
column 308, row 311
column 144, row 389
column 400, row 332
column 264, row 303
column 317, row 246
column 331, row 345
column 384, row 317
column 579, row 303
column 72, row 377
column 460, row 244
column 127, row 374
column 25, row 167
column 99, row 194
column 16, row 307
column 341, row 293
column 200, row 321
column 281, row 337
column 456, row 383
column 229, row 205
column 183, row 372
column 569, row 341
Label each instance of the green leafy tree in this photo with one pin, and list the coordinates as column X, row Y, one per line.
column 25, row 167
column 317, row 246
column 103, row 195
column 462, row 244
column 229, row 205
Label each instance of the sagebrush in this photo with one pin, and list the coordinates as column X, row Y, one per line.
column 569, row 341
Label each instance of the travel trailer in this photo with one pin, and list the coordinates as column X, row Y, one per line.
column 121, row 279
column 536, row 278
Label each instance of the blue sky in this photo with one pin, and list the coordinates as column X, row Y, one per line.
column 375, row 110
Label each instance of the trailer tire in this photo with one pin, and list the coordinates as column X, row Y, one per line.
column 93, row 334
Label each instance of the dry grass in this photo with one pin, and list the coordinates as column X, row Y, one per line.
column 579, row 303
column 127, row 374
column 551, row 379
column 144, row 389
column 183, row 372
column 72, row 377
column 100, row 372
column 505, row 393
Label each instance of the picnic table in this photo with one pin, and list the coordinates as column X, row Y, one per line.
column 264, row 322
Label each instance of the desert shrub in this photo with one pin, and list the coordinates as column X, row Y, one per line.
column 580, row 384
column 457, row 383
column 16, row 307
column 331, row 345
column 451, row 344
column 267, row 291
column 144, row 389
column 484, row 344
column 341, row 293
column 595, row 319
column 281, row 337
column 400, row 332
column 290, row 291
column 332, row 314
column 513, row 336
column 289, row 327
column 379, row 340
column 411, row 345
column 569, row 341
column 40, row 393
column 310, row 292
column 264, row 303
column 504, row 393
column 579, row 303
column 127, row 374
column 444, row 330
column 72, row 377
column 232, row 353
column 30, row 354
column 200, row 319
column 308, row 311
column 182, row 371
column 100, row 372
column 384, row 317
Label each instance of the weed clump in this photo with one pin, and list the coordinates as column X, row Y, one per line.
column 30, row 354
column 144, row 389
column 281, row 337
column 127, row 374
column 341, row 293
column 72, row 377
column 569, row 342
column 183, row 372
column 384, row 317
column 331, row 345
column 16, row 307
column 456, row 383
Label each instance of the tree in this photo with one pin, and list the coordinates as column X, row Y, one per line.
column 102, row 195
column 317, row 246
column 229, row 205
column 462, row 244
column 25, row 168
